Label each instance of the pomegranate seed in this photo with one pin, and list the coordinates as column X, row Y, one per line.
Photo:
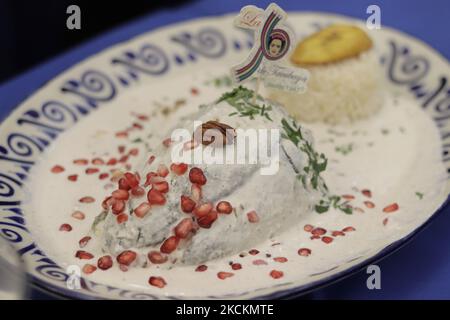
column 121, row 149
column 87, row 200
column 162, row 171
column 385, row 221
column 179, row 168
column 151, row 178
column 123, row 268
column 224, row 207
column 123, row 159
column 162, row 186
column 327, row 239
column 137, row 126
column 142, row 117
column 65, row 227
column 167, row 142
column 304, row 252
column 280, row 259
column 391, row 208
column 259, row 262
column 103, row 176
column 105, row 262
column 156, row 197
column 107, row 202
column 57, row 169
column 308, row 227
column 187, row 204
column 203, row 210
column 196, row 176
column 236, row 266
column 141, row 210
column 201, row 268
column 252, row 217
column 134, row 152
column 78, row 215
column 369, row 204
column 276, row 274
column 337, row 233
column 73, row 177
column 169, row 245
column 112, row 162
column 158, row 282
column 207, row 220
column 314, row 237
column 121, row 134
column 92, row 170
column 84, row 255
column 183, row 228
column 196, row 192
column 84, row 241
column 151, row 159
column 121, row 218
column 223, row 275
column 126, row 257
column 123, row 184
column 89, row 268
column 348, row 229
column 120, row 194
column 156, row 257
column 253, row 252
column 118, row 206
column 80, row 162
column 132, row 179
column 318, row 231
column 138, row 192
column 348, row 197
column 367, row 193
column 98, row 161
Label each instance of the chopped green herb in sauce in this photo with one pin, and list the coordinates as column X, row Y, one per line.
column 241, row 99
column 344, row 149
column 222, row 81
column 333, row 202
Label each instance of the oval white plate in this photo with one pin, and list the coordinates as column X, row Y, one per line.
column 397, row 155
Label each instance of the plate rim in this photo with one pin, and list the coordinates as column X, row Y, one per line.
column 294, row 292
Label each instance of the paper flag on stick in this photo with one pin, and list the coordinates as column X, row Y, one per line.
column 273, row 41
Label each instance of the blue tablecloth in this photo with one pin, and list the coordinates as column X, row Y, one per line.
column 420, row 270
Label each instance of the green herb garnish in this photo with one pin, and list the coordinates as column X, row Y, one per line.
column 241, row 99
column 419, row 195
column 317, row 163
column 333, row 202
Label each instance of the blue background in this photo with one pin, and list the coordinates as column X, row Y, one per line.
column 421, row 269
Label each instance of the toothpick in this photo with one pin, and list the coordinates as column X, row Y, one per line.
column 258, row 84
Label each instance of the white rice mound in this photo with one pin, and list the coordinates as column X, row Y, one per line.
column 340, row 92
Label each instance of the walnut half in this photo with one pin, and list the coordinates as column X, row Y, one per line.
column 210, row 130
